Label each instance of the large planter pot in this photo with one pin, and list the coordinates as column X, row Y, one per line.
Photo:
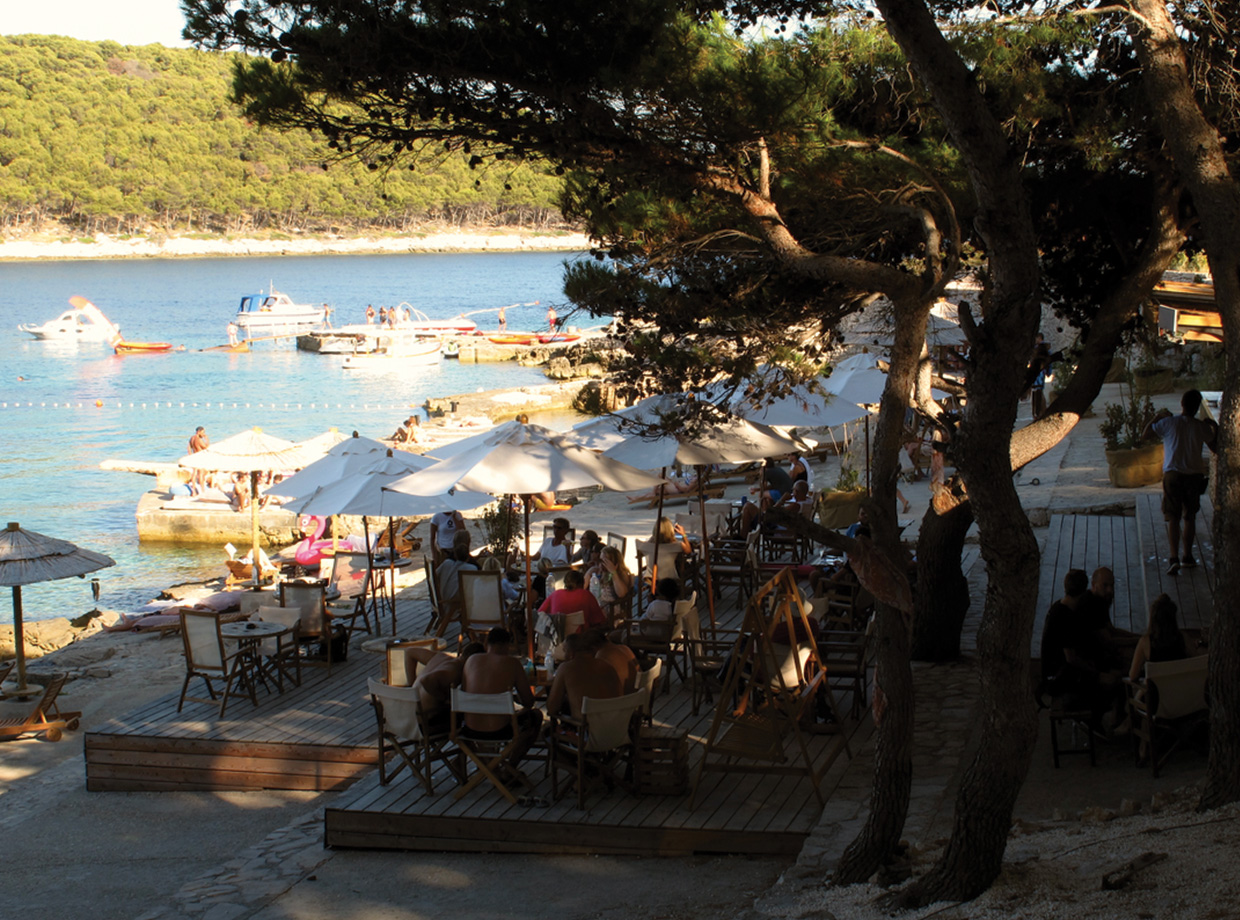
column 1152, row 381
column 839, row 509
column 1141, row 466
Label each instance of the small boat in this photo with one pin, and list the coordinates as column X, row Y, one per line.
column 141, row 348
column 396, row 351
column 558, row 338
column 84, row 323
column 513, row 338
column 420, row 322
column 451, row 349
column 268, row 313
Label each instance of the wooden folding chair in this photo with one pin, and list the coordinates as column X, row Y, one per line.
column 488, row 755
column 482, row 603
column 401, row 670
column 282, row 655
column 1169, row 703
column 404, row 730
column 206, row 657
column 591, row 747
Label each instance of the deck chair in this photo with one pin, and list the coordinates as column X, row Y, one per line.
column 282, row 655
column 206, row 657
column 314, row 627
column 482, row 603
column 735, row 562
column 671, row 647
column 351, row 576
column 441, row 616
column 404, row 730
column 591, row 748
column 707, row 659
column 400, row 669
column 845, row 655
column 551, row 638
column 1169, row 703
column 45, row 717
column 619, row 541
column 489, row 756
column 648, row 680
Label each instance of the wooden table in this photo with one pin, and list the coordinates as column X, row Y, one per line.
column 249, row 637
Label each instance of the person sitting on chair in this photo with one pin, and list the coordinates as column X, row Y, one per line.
column 556, row 550
column 449, row 584
column 1070, row 664
column 572, row 597
column 496, row 671
column 619, row 657
column 440, row 672
column 585, row 548
column 656, row 622
column 582, row 675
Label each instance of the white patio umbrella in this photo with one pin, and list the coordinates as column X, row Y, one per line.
column 521, row 459
column 27, row 558
column 352, row 453
column 733, row 440
column 939, row 331
column 251, row 452
column 361, row 492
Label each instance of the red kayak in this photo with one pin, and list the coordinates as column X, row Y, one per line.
column 559, row 337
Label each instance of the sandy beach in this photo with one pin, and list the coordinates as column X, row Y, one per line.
column 260, row 854
column 101, row 246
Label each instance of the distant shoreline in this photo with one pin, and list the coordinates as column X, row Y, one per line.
column 141, row 247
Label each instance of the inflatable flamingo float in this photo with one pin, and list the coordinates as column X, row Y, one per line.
column 310, row 551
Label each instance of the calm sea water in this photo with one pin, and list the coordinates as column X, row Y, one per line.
column 53, row 436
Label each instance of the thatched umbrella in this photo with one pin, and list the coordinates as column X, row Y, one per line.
column 27, row 558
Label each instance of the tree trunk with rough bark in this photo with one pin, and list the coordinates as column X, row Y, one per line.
column 942, row 597
column 1198, row 152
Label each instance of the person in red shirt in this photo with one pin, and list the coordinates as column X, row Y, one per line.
column 573, row 597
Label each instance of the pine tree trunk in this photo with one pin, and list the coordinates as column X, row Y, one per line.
column 942, row 598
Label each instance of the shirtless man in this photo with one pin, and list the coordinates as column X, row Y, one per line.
column 619, row 657
column 581, row 676
column 199, row 441
column 440, row 672
column 496, row 671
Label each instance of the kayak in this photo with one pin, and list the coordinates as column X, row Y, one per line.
column 141, row 348
column 520, row 338
column 548, row 339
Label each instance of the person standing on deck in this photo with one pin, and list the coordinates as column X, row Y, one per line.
column 503, row 320
column 551, row 319
column 1184, row 473
column 370, row 313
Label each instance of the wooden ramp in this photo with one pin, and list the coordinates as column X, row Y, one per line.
column 1191, row 589
column 1087, row 541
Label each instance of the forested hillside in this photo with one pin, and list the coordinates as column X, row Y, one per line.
column 121, row 139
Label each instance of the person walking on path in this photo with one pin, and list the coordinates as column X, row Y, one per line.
column 1184, row 473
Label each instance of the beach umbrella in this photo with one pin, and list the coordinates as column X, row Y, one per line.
column 361, row 492
column 802, row 409
column 940, row 331
column 27, row 558
column 732, row 440
column 252, row 452
column 521, row 459
column 350, row 454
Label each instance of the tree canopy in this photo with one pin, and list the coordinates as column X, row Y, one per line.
column 110, row 137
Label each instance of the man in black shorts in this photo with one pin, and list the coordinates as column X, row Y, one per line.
column 1184, row 473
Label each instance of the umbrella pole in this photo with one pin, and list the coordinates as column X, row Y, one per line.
column 867, row 455
column 373, row 603
column 391, row 572
column 529, row 581
column 710, row 589
column 19, row 637
column 255, row 566
column 654, row 563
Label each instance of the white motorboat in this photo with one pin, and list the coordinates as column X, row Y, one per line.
column 84, row 323
column 396, row 350
column 266, row 314
column 420, row 322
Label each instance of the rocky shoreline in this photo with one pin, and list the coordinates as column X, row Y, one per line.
column 102, row 246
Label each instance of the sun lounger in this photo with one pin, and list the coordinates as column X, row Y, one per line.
column 45, row 717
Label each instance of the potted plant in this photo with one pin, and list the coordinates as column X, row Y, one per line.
column 502, row 525
column 838, row 507
column 1131, row 460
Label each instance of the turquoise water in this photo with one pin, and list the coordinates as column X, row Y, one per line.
column 53, row 436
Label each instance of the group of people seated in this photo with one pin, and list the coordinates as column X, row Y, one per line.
column 1085, row 657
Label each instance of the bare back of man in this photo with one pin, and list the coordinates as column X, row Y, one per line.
column 494, row 671
column 622, row 660
column 581, row 676
column 440, row 672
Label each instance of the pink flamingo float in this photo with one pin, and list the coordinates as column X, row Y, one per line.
column 310, row 552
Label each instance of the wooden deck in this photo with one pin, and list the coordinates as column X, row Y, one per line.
column 1135, row 549
column 321, row 736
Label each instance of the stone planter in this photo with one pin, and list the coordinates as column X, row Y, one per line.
column 1141, row 466
column 837, row 510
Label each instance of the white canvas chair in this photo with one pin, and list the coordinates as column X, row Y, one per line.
column 314, row 626
column 282, row 654
column 1169, row 703
column 482, row 603
column 648, row 680
column 489, row 756
column 206, row 657
column 401, row 669
column 595, row 745
column 351, row 575
column 403, row 730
